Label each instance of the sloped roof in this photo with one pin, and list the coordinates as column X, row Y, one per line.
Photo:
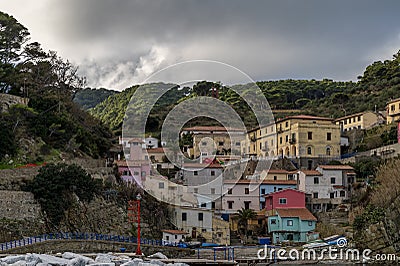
column 156, row 150
column 311, row 172
column 174, row 232
column 279, row 182
column 336, row 167
column 306, row 117
column 302, row 213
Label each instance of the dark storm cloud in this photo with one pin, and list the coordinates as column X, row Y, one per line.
column 120, row 42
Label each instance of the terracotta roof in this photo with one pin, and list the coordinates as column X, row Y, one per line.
column 212, row 128
column 395, row 100
column 284, row 190
column 174, row 232
column 277, row 171
column 280, row 182
column 311, row 172
column 306, row 117
column 202, row 165
column 302, row 213
column 336, row 167
column 348, row 116
column 155, row 150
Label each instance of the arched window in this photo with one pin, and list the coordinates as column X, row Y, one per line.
column 309, row 150
column 328, row 150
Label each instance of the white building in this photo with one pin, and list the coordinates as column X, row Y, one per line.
column 173, row 236
column 328, row 185
column 196, row 221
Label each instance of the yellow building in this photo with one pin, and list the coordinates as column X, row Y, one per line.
column 393, row 111
column 300, row 137
column 308, row 136
column 363, row 120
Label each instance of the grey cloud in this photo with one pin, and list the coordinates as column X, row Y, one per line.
column 120, row 42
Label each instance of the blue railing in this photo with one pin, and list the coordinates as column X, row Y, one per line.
column 76, row 236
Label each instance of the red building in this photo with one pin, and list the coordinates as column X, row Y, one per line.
column 286, row 198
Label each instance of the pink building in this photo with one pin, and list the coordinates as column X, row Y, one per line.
column 286, row 198
column 240, row 195
column 138, row 166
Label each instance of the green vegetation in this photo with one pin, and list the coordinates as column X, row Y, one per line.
column 51, row 120
column 244, row 216
column 379, row 83
column 57, row 187
column 371, row 215
column 89, row 98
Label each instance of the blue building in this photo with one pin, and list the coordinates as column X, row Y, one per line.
column 292, row 224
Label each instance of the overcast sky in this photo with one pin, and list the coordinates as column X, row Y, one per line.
column 118, row 43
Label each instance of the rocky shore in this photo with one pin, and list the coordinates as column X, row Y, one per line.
column 73, row 259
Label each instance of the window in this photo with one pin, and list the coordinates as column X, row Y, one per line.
column 392, row 107
column 143, row 173
column 203, row 143
column 203, row 205
column 221, row 143
column 176, row 237
column 359, row 118
column 161, row 185
column 195, row 173
column 230, row 191
column 289, row 222
column 315, row 195
column 196, row 190
column 213, row 191
column 273, row 221
column 329, row 136
column 272, row 142
column 316, row 180
column 286, row 124
column 262, row 191
column 237, row 143
column 246, row 190
column 184, row 216
column 328, row 151
column 309, row 150
column 136, row 173
column 279, row 189
column 212, row 205
column 287, row 138
column 309, row 135
column 280, row 140
column 309, row 164
column 333, row 180
column 230, row 204
column 332, row 195
column 247, row 205
column 342, row 193
column 213, row 173
column 203, row 230
column 275, row 177
column 282, row 200
column 167, row 238
column 200, row 216
column 309, row 223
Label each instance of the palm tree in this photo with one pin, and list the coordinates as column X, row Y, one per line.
column 244, row 216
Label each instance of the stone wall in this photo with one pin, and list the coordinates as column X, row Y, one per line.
column 12, row 179
column 96, row 246
column 18, row 205
column 7, row 100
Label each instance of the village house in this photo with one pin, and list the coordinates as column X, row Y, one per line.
column 364, row 120
column 288, row 218
column 243, row 193
column 137, row 167
column 173, row 236
column 214, row 140
column 328, row 185
column 307, row 140
column 393, row 111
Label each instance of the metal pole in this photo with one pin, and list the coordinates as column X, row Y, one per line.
column 138, row 251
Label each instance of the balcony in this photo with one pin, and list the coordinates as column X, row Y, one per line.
column 292, row 141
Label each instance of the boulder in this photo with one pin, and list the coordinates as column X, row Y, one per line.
column 13, row 259
column 158, row 255
column 71, row 256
